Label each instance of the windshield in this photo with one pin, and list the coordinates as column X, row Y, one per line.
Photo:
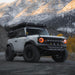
column 37, row 31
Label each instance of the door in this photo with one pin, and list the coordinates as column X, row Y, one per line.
column 19, row 41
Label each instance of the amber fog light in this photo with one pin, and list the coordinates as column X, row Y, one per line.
column 41, row 40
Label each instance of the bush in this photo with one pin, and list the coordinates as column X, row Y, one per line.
column 71, row 44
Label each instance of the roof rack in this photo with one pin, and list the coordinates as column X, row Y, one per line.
column 21, row 25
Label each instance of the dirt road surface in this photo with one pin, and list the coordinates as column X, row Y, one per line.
column 46, row 66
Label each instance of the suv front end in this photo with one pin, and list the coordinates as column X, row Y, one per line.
column 51, row 44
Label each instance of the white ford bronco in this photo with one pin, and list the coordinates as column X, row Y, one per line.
column 33, row 41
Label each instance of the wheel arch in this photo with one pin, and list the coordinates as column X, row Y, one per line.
column 11, row 45
column 30, row 42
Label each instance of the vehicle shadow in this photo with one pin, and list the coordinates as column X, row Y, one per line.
column 42, row 60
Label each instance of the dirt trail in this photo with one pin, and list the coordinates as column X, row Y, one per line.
column 46, row 66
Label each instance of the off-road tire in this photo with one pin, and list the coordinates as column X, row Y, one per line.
column 9, row 54
column 34, row 53
column 60, row 56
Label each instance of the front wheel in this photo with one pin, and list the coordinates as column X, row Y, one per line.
column 31, row 53
column 60, row 56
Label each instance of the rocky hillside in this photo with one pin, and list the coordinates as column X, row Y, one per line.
column 35, row 11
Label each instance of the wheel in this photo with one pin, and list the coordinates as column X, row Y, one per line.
column 31, row 53
column 60, row 56
column 9, row 54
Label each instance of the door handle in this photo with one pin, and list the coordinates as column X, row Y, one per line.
column 15, row 40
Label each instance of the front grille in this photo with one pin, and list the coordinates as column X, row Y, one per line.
column 53, row 41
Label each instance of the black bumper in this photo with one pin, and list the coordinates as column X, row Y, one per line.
column 47, row 50
column 51, row 48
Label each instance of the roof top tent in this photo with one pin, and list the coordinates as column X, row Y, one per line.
column 21, row 25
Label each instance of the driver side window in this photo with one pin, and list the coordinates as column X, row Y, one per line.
column 20, row 33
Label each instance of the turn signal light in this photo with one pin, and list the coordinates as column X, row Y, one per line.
column 41, row 40
column 65, row 41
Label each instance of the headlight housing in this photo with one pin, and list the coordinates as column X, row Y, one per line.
column 41, row 40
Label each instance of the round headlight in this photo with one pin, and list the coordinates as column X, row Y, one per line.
column 41, row 40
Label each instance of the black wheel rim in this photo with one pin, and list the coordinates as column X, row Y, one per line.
column 60, row 55
column 29, row 53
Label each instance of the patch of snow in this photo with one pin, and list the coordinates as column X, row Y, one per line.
column 73, row 24
column 66, row 29
column 6, row 1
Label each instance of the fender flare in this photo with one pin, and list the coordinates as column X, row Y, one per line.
column 12, row 47
column 30, row 42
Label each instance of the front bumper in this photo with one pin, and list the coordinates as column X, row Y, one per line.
column 47, row 50
column 51, row 48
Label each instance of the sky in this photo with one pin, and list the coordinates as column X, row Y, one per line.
column 6, row 1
